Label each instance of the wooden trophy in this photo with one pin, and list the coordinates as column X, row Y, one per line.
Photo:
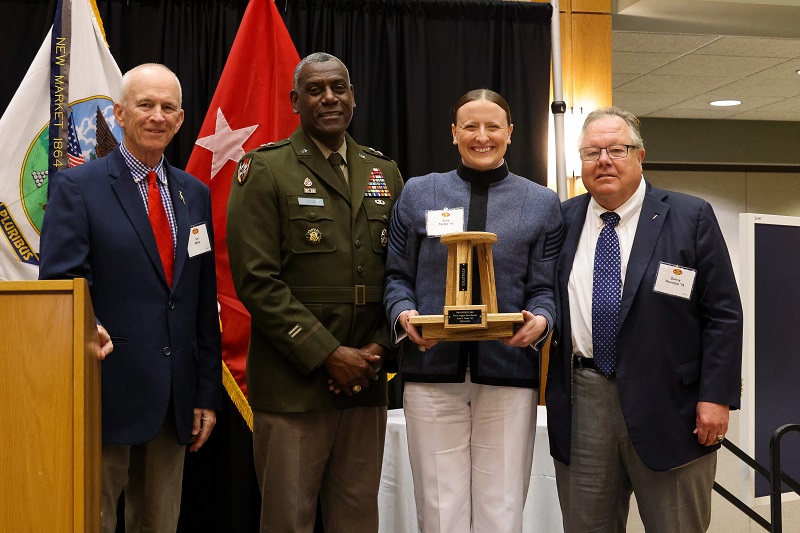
column 462, row 320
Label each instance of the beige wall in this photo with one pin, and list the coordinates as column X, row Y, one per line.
column 731, row 193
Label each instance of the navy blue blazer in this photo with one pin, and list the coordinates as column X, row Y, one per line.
column 165, row 341
column 671, row 352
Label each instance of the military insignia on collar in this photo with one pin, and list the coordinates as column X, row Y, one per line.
column 362, row 156
column 304, row 151
column 377, row 185
column 384, row 237
column 314, row 236
column 243, row 169
column 307, row 182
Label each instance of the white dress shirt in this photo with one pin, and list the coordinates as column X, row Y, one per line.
column 581, row 276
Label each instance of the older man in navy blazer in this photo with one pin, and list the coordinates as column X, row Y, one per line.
column 646, row 359
column 139, row 230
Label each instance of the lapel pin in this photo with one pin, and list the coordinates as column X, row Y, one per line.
column 180, row 193
column 654, row 216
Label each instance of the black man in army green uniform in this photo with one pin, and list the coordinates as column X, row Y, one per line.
column 307, row 234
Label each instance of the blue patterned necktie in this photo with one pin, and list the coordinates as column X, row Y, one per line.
column 606, row 294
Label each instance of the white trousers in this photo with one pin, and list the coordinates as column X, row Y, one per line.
column 471, row 451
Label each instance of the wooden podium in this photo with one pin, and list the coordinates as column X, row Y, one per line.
column 463, row 321
column 50, row 443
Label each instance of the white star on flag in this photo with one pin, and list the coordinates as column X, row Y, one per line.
column 225, row 144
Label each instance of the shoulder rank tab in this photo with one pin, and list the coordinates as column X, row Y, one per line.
column 271, row 145
column 377, row 153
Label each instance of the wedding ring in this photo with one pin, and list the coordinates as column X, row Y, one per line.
column 356, row 389
column 720, row 438
column 421, row 348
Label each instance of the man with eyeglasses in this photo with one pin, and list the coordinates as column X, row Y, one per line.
column 646, row 359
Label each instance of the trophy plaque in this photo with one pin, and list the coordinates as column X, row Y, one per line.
column 462, row 320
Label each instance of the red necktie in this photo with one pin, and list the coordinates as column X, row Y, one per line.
column 161, row 229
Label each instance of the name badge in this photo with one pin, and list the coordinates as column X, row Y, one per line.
column 318, row 202
column 444, row 221
column 198, row 240
column 674, row 280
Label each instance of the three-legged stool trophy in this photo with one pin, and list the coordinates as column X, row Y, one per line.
column 462, row 320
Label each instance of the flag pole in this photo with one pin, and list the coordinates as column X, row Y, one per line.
column 558, row 107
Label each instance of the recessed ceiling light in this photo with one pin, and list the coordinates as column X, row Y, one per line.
column 725, row 103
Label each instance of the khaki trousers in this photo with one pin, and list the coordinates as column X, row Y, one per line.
column 335, row 455
column 151, row 475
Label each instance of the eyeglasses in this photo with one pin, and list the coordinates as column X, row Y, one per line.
column 614, row 151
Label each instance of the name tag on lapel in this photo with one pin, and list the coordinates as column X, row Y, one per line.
column 318, row 202
column 198, row 240
column 675, row 280
column 444, row 221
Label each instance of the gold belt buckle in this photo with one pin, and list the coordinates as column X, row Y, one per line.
column 361, row 294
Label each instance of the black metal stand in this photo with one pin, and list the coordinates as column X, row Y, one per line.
column 774, row 474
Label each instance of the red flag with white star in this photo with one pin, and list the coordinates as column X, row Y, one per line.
column 250, row 107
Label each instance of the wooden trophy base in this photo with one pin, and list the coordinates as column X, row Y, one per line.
column 463, row 321
column 498, row 326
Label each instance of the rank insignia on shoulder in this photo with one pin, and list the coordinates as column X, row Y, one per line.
column 243, row 169
column 314, row 236
column 377, row 185
column 273, row 144
column 376, row 152
column 384, row 237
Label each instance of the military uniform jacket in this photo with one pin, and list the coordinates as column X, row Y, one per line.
column 307, row 258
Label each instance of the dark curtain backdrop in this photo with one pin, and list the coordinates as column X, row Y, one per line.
column 409, row 62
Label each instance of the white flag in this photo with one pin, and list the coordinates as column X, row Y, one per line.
column 86, row 92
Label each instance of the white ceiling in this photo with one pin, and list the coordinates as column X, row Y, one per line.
column 672, row 57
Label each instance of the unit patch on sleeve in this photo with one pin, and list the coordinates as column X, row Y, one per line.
column 243, row 169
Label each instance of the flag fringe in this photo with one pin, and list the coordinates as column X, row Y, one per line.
column 237, row 396
column 99, row 20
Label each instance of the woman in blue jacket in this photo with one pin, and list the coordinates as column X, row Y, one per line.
column 471, row 406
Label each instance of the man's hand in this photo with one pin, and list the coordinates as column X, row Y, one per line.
column 375, row 349
column 532, row 328
column 204, row 421
column 351, row 369
column 711, row 423
column 105, row 346
column 412, row 331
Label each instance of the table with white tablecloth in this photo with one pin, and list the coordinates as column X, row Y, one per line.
column 398, row 512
